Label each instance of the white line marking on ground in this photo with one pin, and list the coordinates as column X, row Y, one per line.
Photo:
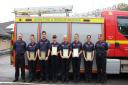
column 23, row 83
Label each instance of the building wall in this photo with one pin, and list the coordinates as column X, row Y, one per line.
column 4, row 43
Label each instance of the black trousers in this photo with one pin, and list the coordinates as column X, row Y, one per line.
column 44, row 69
column 54, row 67
column 88, row 69
column 20, row 63
column 101, row 67
column 76, row 68
column 32, row 69
column 65, row 69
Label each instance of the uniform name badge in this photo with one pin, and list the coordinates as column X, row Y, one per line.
column 32, row 55
column 65, row 53
column 54, row 50
column 42, row 55
column 89, row 56
column 75, row 53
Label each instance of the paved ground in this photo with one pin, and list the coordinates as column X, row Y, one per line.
column 7, row 75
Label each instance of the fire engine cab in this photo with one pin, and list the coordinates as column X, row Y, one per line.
column 113, row 25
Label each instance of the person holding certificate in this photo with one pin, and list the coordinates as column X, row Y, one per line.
column 55, row 50
column 76, row 53
column 88, row 52
column 65, row 55
column 43, row 54
column 101, row 48
column 31, row 56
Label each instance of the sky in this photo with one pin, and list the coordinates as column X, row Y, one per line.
column 79, row 6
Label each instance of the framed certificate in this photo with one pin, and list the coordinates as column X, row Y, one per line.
column 75, row 52
column 65, row 53
column 54, row 51
column 89, row 56
column 31, row 55
column 42, row 56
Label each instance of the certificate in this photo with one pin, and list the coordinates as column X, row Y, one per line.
column 54, row 50
column 75, row 53
column 31, row 55
column 89, row 56
column 65, row 53
column 42, row 56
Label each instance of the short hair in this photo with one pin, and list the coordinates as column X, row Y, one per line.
column 54, row 36
column 20, row 34
column 32, row 35
column 43, row 32
column 77, row 34
column 100, row 35
column 89, row 36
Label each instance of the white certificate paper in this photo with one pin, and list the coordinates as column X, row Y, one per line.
column 65, row 53
column 89, row 56
column 75, row 53
column 42, row 55
column 54, row 50
column 32, row 55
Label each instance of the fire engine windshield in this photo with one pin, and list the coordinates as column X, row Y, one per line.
column 123, row 25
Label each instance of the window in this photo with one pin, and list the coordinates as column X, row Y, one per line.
column 123, row 25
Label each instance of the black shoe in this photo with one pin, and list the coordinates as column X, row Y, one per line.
column 30, row 80
column 23, row 80
column 63, row 80
column 40, row 80
column 88, row 80
column 67, row 80
column 98, row 81
column 47, row 80
column 75, row 81
column 103, row 81
column 54, row 80
column 15, row 80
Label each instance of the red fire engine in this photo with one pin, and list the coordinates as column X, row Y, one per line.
column 113, row 25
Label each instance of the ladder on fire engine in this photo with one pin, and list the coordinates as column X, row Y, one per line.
column 43, row 10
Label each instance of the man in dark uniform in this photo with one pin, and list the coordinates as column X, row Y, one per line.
column 88, row 52
column 32, row 55
column 43, row 54
column 55, row 50
column 101, row 48
column 76, row 50
column 65, row 55
column 20, row 49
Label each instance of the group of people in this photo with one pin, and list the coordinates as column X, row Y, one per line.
column 50, row 55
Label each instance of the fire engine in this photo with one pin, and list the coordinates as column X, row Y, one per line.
column 113, row 25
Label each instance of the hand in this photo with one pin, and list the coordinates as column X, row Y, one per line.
column 28, row 58
column 40, row 58
column 34, row 59
column 85, row 59
column 92, row 58
column 46, row 58
column 79, row 54
column 68, row 56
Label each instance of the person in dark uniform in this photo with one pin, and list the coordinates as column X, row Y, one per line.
column 20, row 49
column 76, row 53
column 55, row 50
column 31, row 56
column 101, row 48
column 43, row 54
column 65, row 55
column 88, row 52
